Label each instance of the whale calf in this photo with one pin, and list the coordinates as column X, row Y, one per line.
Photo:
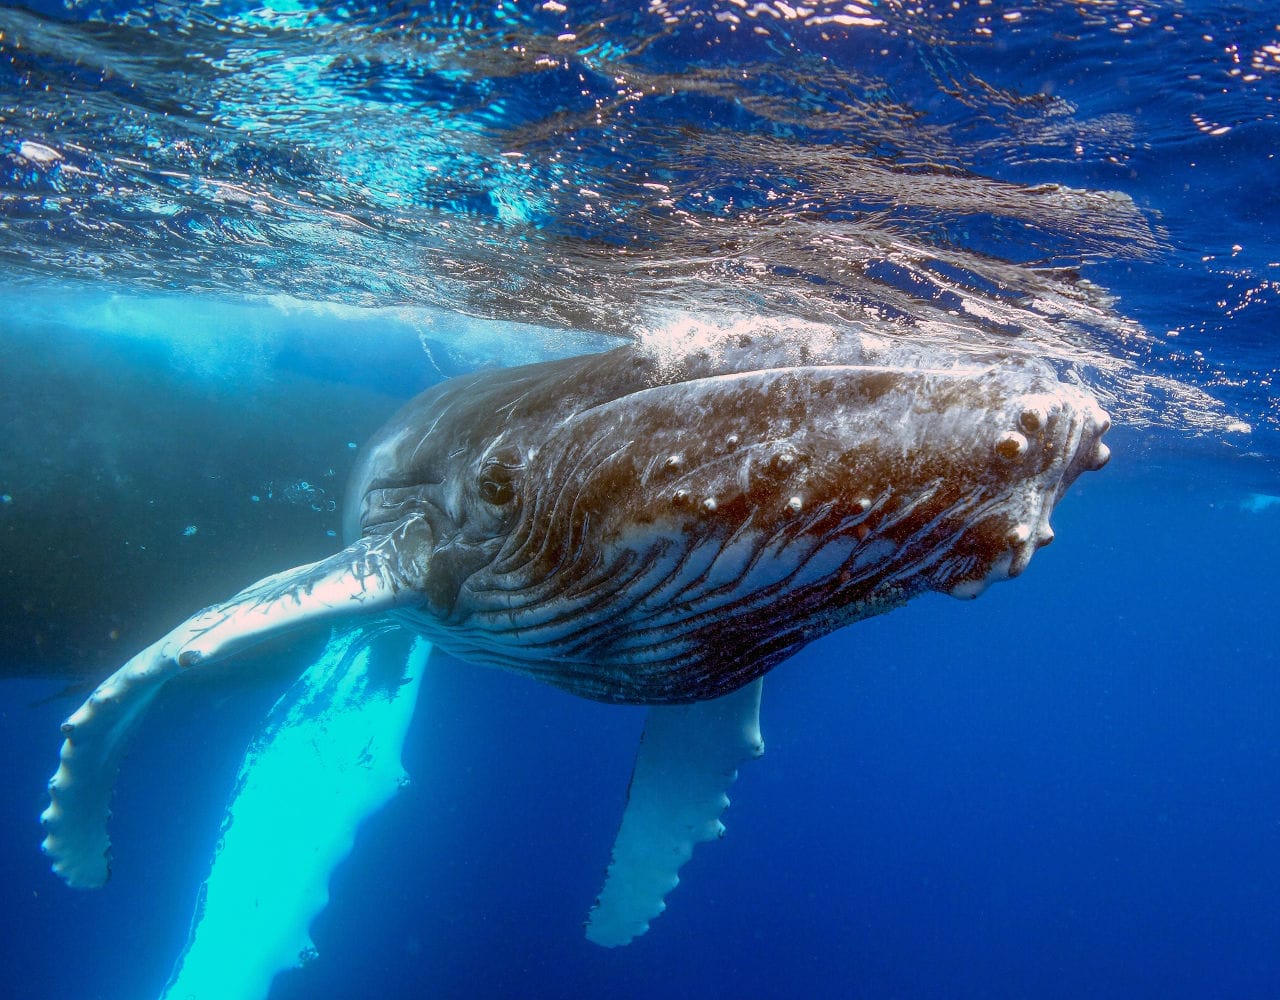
column 656, row 525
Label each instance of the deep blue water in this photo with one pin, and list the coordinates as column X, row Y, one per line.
column 1067, row 788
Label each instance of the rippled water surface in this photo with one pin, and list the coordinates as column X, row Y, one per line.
column 960, row 172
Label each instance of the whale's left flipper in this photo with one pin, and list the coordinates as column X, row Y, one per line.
column 688, row 758
column 366, row 577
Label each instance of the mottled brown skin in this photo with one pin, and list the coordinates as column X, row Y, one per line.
column 641, row 527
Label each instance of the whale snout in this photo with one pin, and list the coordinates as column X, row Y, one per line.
column 1057, row 439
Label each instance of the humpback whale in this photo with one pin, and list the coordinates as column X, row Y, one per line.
column 658, row 525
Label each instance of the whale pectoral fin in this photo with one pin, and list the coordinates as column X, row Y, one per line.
column 327, row 758
column 688, row 758
column 365, row 577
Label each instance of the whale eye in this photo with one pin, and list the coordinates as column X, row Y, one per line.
column 496, row 493
column 497, row 485
column 497, row 480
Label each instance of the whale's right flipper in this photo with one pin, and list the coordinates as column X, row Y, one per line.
column 688, row 758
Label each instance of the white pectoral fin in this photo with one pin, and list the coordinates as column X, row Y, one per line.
column 327, row 758
column 365, row 577
column 688, row 758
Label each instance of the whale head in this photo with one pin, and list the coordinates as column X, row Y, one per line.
column 635, row 533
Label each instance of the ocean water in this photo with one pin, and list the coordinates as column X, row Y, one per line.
column 233, row 237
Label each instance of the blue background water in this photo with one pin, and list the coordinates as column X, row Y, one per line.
column 1068, row 788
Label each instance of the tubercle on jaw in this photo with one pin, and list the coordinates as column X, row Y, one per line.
column 1032, row 419
column 1011, row 445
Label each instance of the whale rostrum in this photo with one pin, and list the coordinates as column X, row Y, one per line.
column 650, row 525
